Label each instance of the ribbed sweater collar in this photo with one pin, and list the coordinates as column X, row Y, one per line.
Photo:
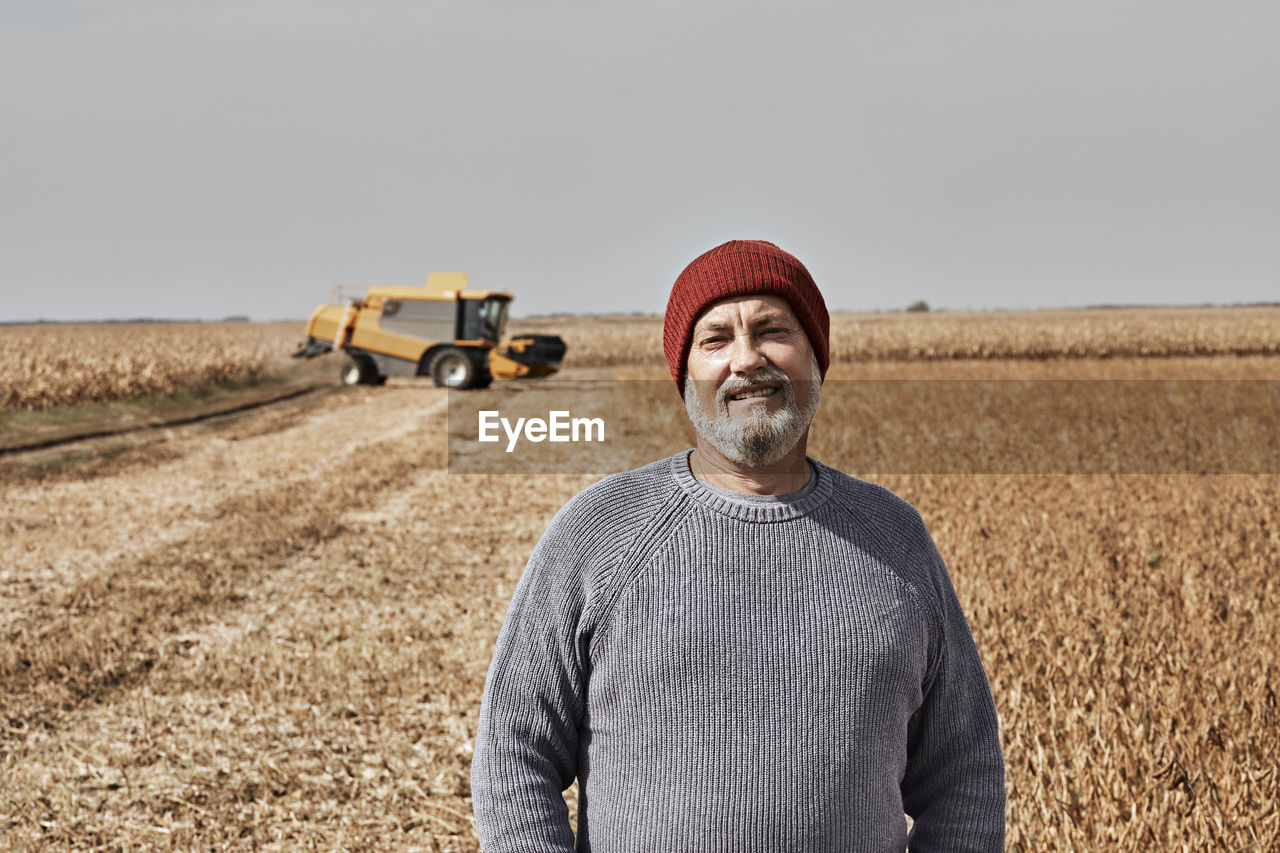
column 754, row 508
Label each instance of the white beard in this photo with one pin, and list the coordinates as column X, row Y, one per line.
column 763, row 437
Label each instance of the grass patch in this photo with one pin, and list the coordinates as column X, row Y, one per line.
column 24, row 428
column 103, row 450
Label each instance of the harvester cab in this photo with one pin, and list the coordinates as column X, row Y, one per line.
column 442, row 330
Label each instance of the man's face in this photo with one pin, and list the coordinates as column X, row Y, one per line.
column 752, row 381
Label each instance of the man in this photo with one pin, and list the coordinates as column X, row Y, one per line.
column 739, row 648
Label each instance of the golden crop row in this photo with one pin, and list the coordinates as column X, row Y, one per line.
column 962, row 335
column 45, row 366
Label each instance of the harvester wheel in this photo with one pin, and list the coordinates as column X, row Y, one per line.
column 451, row 368
column 358, row 371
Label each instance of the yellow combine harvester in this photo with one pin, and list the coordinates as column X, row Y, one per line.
column 442, row 330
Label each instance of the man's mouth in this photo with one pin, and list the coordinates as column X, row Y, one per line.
column 754, row 391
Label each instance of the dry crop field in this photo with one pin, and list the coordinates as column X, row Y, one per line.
column 53, row 365
column 1085, row 333
column 272, row 632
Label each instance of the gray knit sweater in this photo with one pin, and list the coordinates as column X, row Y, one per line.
column 723, row 673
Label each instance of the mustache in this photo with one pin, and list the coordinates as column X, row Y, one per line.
column 735, row 384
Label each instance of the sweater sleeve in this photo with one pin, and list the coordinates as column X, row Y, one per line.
column 526, row 750
column 953, row 786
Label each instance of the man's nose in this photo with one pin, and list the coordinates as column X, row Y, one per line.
column 745, row 357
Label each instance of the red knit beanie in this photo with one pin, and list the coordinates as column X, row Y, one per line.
column 741, row 268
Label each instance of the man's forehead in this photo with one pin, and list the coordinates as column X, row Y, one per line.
column 755, row 308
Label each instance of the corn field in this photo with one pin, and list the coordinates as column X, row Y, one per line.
column 46, row 366
column 56, row 365
column 1102, row 333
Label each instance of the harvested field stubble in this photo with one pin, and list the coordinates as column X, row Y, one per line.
column 274, row 636
column 56, row 365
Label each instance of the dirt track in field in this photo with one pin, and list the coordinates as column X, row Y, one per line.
column 272, row 633
column 274, row 630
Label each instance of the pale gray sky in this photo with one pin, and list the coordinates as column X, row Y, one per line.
column 199, row 159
